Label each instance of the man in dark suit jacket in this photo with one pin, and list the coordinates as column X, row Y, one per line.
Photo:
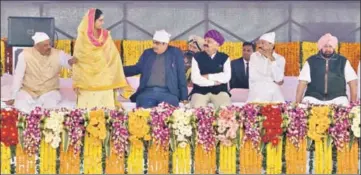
column 162, row 74
column 240, row 67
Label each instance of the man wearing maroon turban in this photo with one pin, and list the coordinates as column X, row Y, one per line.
column 326, row 75
column 211, row 72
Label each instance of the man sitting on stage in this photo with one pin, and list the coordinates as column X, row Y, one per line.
column 211, row 72
column 266, row 72
column 36, row 78
column 325, row 75
column 162, row 74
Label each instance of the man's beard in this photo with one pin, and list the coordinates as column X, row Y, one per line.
column 327, row 55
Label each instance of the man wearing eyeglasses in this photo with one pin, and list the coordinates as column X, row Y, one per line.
column 162, row 74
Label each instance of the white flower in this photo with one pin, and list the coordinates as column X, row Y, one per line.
column 55, row 144
column 182, row 144
column 181, row 138
column 356, row 126
column 221, row 129
column 48, row 137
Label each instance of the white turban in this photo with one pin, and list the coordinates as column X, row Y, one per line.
column 40, row 37
column 161, row 36
column 269, row 37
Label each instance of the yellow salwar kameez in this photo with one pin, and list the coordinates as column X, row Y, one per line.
column 99, row 70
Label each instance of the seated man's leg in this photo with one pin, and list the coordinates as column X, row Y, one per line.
column 146, row 100
column 24, row 102
column 199, row 100
column 167, row 98
column 221, row 99
column 50, row 99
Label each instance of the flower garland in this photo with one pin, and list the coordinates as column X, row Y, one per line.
column 318, row 125
column 182, row 124
column 32, row 132
column 2, row 57
column 25, row 163
column 116, row 140
column 181, row 44
column 250, row 140
column 8, row 121
column 74, row 128
column 339, row 131
column 227, row 129
column 272, row 125
column 139, row 131
column 205, row 151
column 232, row 49
column 308, row 49
column 53, row 125
column 96, row 133
column 296, row 142
column 64, row 45
column 347, row 156
column 133, row 50
column 355, row 114
column 158, row 154
column 5, row 159
column 291, row 52
column 352, row 52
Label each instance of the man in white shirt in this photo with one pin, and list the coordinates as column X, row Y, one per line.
column 211, row 72
column 266, row 72
column 325, row 75
column 36, row 77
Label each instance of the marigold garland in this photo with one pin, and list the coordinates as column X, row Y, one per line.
column 47, row 158
column 291, row 52
column 5, row 159
column 227, row 159
column 232, row 49
column 296, row 157
column 133, row 50
column 181, row 44
column 158, row 159
column 139, row 131
column 274, row 158
column 25, row 163
column 182, row 160
column 347, row 159
column 319, row 123
column 308, row 49
column 115, row 162
column 352, row 52
column 96, row 133
column 250, row 159
column 2, row 56
column 64, row 45
column 69, row 161
column 204, row 160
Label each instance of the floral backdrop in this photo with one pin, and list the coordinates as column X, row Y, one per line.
column 249, row 139
column 295, row 53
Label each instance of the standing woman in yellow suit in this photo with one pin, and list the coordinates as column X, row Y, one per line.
column 99, row 73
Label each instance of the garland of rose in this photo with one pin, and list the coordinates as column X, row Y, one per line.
column 317, row 117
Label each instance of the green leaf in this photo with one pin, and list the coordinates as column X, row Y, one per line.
column 21, row 137
column 309, row 143
column 65, row 141
column 329, row 140
column 263, row 145
column 351, row 141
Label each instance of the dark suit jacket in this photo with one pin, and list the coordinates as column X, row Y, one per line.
column 239, row 79
column 174, row 67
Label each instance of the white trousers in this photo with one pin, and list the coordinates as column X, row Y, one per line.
column 338, row 101
column 24, row 102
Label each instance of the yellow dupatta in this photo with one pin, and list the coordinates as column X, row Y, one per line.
column 99, row 64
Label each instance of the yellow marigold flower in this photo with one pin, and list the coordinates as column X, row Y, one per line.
column 147, row 137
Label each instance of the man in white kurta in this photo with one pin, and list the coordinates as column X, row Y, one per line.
column 326, row 82
column 36, row 78
column 266, row 72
